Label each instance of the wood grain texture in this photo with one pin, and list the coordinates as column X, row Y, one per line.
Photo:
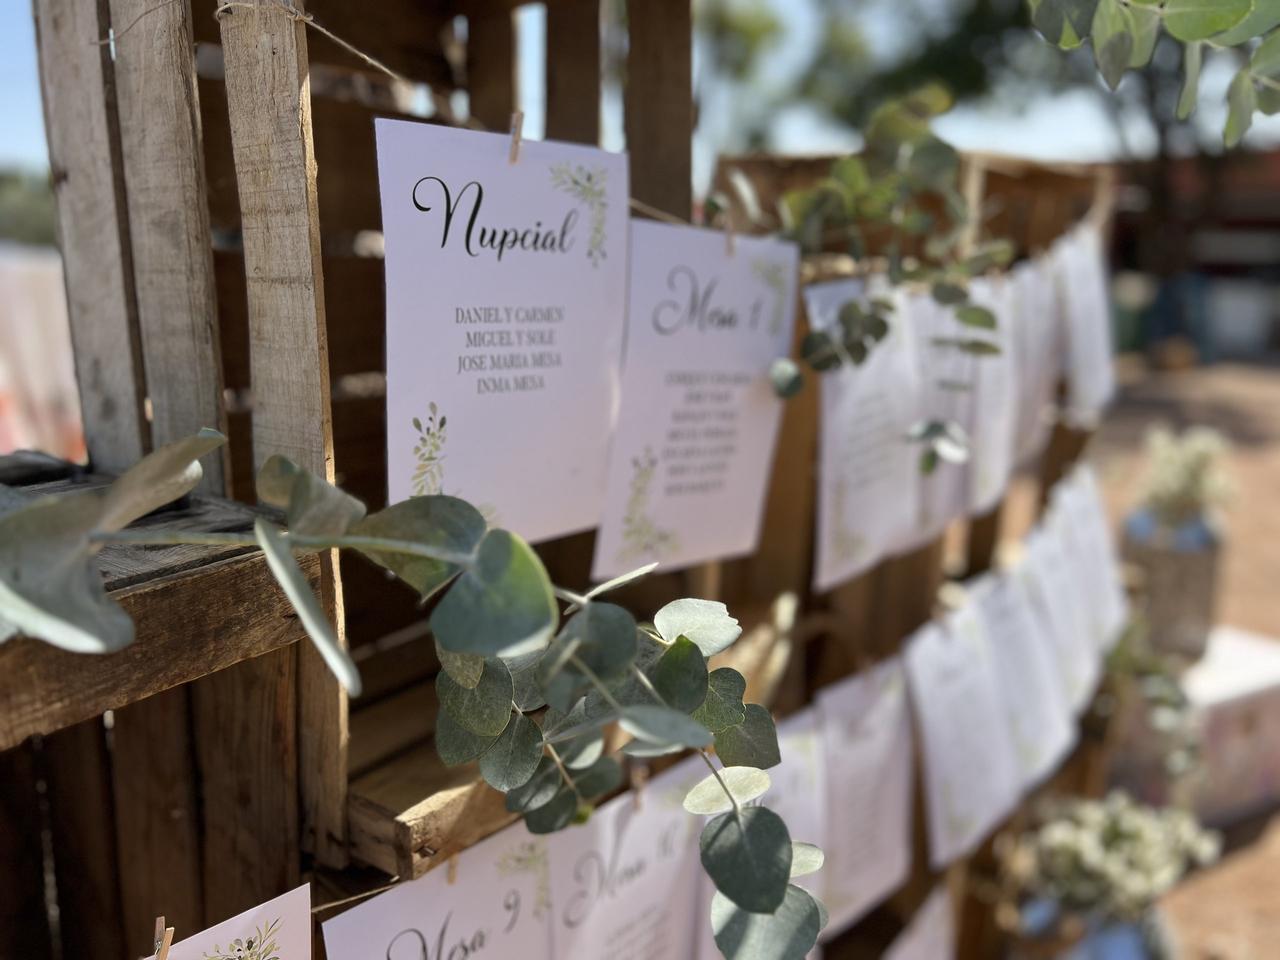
column 24, row 923
column 382, row 730
column 491, row 67
column 245, row 723
column 157, row 817
column 79, row 114
column 573, row 71
column 230, row 610
column 659, row 105
column 169, row 223
column 78, row 783
column 269, row 107
column 984, row 536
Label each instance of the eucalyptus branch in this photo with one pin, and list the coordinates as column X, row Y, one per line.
column 706, row 758
column 564, row 773
column 596, row 682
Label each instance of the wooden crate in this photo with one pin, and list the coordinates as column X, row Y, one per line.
column 217, row 198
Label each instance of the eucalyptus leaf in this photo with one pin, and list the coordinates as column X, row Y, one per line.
column 623, row 579
column 1264, row 18
column 644, row 750
column 281, row 562
column 514, row 757
column 663, row 725
column 706, row 622
column 806, row 858
column 680, row 677
column 1241, row 102
column 1146, row 31
column 742, row 784
column 1192, row 58
column 583, row 750
column 484, row 709
column 159, row 478
column 785, row 377
column 457, row 745
column 465, row 668
column 1265, row 61
column 975, row 316
column 603, row 776
column 1112, row 39
column 605, row 636
column 313, row 506
column 527, row 694
column 752, row 743
column 723, row 705
column 503, row 603
column 538, row 790
column 787, row 933
column 747, row 855
column 554, row 815
column 1189, row 20
column 948, row 293
column 444, row 523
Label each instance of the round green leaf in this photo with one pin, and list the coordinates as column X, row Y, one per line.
column 723, row 705
column 524, row 678
column 680, row 677
column 663, row 725
column 975, row 316
column 788, row 933
column 748, row 857
column 1188, row 20
column 752, row 743
column 786, row 378
column 465, row 668
column 485, row 709
column 313, row 506
column 538, row 790
column 806, row 858
column 600, row 778
column 948, row 293
column 709, row 796
column 1112, row 37
column 457, row 745
column 606, row 635
column 445, row 523
column 1192, row 58
column 503, row 603
column 555, row 815
column 514, row 757
column 1242, row 100
column 1264, row 18
column 706, row 622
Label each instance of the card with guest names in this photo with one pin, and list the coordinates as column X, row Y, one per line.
column 506, row 290
column 868, row 474
column 279, row 929
column 495, row 902
column 692, row 451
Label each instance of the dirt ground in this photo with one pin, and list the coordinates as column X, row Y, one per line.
column 1232, row 911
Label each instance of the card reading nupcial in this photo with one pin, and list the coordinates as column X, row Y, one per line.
column 506, row 289
column 690, row 460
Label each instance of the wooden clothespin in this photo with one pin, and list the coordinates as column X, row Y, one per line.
column 517, row 131
column 451, row 869
column 639, row 777
column 730, row 242
column 163, row 939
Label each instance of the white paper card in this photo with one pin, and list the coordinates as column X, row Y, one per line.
column 506, row 288
column 498, row 907
column 931, row 933
column 279, row 928
column 971, row 778
column 1036, row 327
column 869, row 475
column 1039, row 717
column 994, row 398
column 1083, row 286
column 1056, row 597
column 691, row 456
column 1090, row 539
column 866, row 733
column 625, row 884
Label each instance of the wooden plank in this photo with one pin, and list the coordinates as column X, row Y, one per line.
column 157, row 817
column 382, row 730
column 269, row 106
column 413, row 813
column 230, row 610
column 984, row 535
column 24, row 922
column 245, row 722
column 491, row 67
column 573, row 71
column 169, row 223
column 78, row 783
column 75, row 80
column 659, row 105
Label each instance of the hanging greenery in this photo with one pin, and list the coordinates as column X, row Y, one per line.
column 532, row 674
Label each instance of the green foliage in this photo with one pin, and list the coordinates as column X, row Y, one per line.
column 26, row 209
column 501, row 657
column 788, row 932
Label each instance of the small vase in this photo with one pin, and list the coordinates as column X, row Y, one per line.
column 1181, row 579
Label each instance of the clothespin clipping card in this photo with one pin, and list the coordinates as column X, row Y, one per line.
column 517, row 131
column 163, row 939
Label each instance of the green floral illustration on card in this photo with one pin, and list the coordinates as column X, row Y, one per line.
column 587, row 185
column 530, row 857
column 774, row 276
column 428, row 450
column 260, row 946
column 641, row 536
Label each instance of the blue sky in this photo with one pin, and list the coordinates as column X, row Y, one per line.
column 21, row 124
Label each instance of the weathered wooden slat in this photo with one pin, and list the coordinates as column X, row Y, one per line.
column 157, row 817
column 491, row 67
column 78, row 783
column 245, row 722
column 188, row 625
column 984, row 535
column 573, row 71
column 169, row 223
column 79, row 112
column 384, row 729
column 24, row 922
column 659, row 105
